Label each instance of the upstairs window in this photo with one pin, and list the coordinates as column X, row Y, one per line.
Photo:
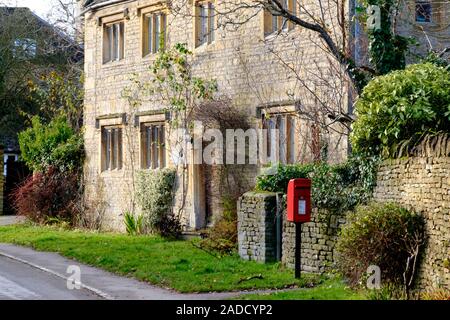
column 274, row 24
column 423, row 11
column 204, row 23
column 113, row 42
column 153, row 147
column 154, row 34
column 111, row 148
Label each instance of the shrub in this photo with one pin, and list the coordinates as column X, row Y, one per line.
column 222, row 237
column 401, row 105
column 384, row 235
column 335, row 187
column 49, row 196
column 154, row 194
column 55, row 145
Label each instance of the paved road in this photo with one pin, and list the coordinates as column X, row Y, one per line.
column 45, row 274
column 8, row 220
column 19, row 281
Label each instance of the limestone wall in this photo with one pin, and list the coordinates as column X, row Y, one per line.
column 256, row 225
column 318, row 241
column 242, row 62
column 423, row 184
column 257, row 233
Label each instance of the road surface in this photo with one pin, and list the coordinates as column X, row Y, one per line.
column 19, row 281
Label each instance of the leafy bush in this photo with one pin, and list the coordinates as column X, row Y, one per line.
column 54, row 145
column 402, row 105
column 154, row 194
column 384, row 235
column 335, row 187
column 49, row 196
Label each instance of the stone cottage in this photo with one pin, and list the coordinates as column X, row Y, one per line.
column 273, row 70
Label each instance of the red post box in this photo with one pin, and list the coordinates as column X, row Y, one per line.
column 299, row 200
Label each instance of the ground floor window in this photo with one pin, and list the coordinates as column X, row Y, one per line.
column 281, row 137
column 153, row 146
column 111, row 148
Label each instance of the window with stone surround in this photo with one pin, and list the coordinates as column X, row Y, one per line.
column 281, row 137
column 113, row 41
column 154, row 32
column 204, row 22
column 423, row 11
column 111, row 150
column 275, row 24
column 153, row 145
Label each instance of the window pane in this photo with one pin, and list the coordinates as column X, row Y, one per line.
column 157, row 31
column 163, row 30
column 121, row 40
column 162, row 142
column 155, row 146
column 211, row 22
column 110, row 43
column 113, row 149
column 149, row 40
column 423, row 11
column 148, row 145
column 203, row 24
column 274, row 23
column 108, row 149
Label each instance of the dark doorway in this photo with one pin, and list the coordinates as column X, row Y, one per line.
column 16, row 173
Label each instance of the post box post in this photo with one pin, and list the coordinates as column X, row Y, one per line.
column 299, row 211
column 298, row 246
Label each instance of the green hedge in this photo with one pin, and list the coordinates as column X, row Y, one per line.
column 334, row 187
column 402, row 105
column 54, row 145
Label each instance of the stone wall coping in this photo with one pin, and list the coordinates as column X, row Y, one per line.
column 262, row 194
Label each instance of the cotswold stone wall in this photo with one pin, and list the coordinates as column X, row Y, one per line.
column 257, row 233
column 257, row 226
column 422, row 184
column 318, row 241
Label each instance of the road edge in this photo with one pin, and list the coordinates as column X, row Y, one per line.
column 98, row 292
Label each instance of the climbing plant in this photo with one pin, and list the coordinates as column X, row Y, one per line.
column 387, row 50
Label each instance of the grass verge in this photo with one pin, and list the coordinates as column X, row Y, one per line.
column 172, row 264
column 330, row 289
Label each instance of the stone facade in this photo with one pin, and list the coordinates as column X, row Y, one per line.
column 422, row 184
column 242, row 63
column 257, row 233
column 257, row 226
column 252, row 69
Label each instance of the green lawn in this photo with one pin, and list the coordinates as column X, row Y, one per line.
column 172, row 264
column 331, row 289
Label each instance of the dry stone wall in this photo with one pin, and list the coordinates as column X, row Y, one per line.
column 423, row 184
column 257, row 226
column 257, row 233
column 318, row 241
